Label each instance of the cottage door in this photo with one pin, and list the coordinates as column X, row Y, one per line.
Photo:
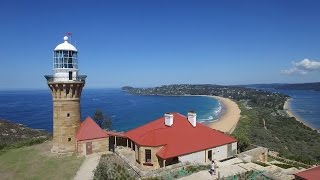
column 229, row 150
column 89, row 148
column 210, row 155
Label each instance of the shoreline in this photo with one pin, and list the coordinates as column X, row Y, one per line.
column 229, row 118
column 287, row 109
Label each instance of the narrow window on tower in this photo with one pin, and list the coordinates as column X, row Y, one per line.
column 69, row 139
column 68, row 115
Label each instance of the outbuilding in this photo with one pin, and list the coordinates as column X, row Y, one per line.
column 91, row 138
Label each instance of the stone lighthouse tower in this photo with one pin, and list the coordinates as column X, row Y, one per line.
column 66, row 85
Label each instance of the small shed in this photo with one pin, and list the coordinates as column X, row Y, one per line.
column 91, row 138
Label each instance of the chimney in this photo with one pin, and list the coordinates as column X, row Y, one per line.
column 192, row 118
column 168, row 119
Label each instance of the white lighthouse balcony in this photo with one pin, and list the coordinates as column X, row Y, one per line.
column 64, row 78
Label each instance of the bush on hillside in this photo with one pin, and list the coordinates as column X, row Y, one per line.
column 108, row 169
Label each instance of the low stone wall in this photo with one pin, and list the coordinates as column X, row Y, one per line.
column 152, row 172
column 275, row 156
column 256, row 154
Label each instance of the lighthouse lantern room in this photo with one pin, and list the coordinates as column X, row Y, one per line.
column 65, row 63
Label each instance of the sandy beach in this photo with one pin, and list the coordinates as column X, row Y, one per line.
column 286, row 107
column 230, row 117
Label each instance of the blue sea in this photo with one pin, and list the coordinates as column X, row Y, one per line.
column 34, row 107
column 305, row 105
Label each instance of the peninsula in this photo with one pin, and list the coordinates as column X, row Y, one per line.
column 263, row 120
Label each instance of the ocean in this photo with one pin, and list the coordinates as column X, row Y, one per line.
column 34, row 107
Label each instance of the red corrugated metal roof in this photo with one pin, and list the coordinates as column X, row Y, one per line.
column 90, row 130
column 180, row 138
column 310, row 174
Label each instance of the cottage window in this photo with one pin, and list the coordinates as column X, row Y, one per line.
column 148, row 155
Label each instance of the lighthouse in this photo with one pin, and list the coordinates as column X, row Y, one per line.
column 66, row 86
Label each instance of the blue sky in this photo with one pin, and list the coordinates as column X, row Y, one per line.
column 153, row 42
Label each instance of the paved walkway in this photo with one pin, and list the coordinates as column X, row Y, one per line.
column 223, row 171
column 232, row 169
column 87, row 167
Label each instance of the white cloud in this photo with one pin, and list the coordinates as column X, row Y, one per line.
column 303, row 67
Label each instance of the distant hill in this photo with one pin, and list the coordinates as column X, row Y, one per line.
column 302, row 86
column 305, row 86
column 17, row 135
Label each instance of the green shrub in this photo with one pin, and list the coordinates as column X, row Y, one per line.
column 108, row 170
column 151, row 178
column 284, row 166
column 261, row 163
column 27, row 142
column 191, row 169
column 247, row 175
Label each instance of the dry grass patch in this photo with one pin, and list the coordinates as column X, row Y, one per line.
column 32, row 163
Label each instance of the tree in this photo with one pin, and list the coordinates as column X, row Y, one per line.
column 104, row 121
column 107, row 122
column 243, row 140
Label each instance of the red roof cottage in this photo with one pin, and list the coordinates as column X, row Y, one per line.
column 176, row 138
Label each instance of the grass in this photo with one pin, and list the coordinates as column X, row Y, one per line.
column 30, row 163
column 284, row 166
column 293, row 164
column 22, row 143
column 261, row 163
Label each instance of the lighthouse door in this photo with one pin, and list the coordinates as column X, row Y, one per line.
column 89, row 148
column 70, row 75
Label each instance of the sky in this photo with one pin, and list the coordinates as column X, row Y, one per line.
column 156, row 42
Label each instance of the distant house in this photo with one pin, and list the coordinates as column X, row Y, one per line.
column 176, row 138
column 309, row 174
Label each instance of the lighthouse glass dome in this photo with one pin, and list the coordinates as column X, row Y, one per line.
column 65, row 62
column 65, row 59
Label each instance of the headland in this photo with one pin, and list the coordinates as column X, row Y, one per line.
column 263, row 121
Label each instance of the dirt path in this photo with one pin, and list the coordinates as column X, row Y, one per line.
column 87, row 167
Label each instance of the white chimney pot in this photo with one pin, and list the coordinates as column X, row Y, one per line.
column 192, row 118
column 168, row 119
